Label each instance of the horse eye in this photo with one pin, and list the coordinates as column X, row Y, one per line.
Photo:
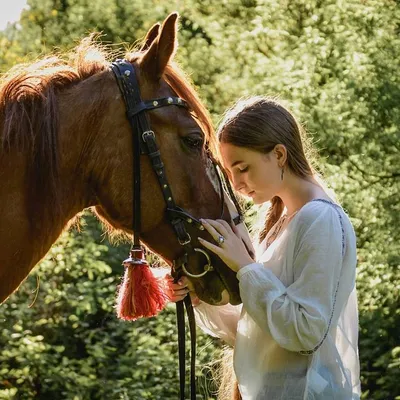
column 194, row 142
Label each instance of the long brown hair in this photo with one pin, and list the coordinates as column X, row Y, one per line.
column 260, row 123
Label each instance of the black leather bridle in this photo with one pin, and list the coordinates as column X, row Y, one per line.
column 144, row 143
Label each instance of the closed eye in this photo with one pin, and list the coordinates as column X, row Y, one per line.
column 243, row 170
column 194, row 142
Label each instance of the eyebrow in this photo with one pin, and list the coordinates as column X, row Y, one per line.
column 236, row 163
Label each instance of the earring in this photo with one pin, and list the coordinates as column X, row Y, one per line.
column 282, row 174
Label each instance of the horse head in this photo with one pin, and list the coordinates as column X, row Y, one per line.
column 184, row 137
column 66, row 144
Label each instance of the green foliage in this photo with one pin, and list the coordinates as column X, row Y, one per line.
column 70, row 345
column 336, row 64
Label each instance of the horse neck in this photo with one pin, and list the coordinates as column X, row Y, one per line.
column 24, row 238
column 22, row 244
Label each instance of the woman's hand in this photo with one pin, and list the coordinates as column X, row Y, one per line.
column 240, row 229
column 231, row 248
column 178, row 291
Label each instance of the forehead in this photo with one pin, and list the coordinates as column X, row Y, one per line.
column 232, row 154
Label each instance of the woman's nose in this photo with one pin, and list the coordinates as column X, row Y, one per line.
column 237, row 183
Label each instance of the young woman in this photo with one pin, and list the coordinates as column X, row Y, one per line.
column 295, row 336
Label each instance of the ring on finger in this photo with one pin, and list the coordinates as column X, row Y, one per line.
column 221, row 240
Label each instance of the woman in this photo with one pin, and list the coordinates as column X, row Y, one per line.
column 295, row 336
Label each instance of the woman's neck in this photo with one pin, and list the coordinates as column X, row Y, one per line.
column 299, row 191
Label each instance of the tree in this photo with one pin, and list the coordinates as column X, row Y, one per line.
column 335, row 64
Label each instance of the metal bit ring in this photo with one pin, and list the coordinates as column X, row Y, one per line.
column 208, row 267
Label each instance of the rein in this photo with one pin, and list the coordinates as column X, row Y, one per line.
column 144, row 143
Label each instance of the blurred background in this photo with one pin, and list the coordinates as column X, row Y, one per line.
column 335, row 64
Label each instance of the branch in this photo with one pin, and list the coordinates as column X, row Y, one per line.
column 365, row 173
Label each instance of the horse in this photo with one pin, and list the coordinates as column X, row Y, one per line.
column 66, row 145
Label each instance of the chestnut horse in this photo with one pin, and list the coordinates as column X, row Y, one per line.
column 66, row 145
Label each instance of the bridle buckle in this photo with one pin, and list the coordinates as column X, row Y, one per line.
column 145, row 134
column 185, row 241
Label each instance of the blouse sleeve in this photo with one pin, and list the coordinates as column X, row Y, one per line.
column 298, row 316
column 218, row 321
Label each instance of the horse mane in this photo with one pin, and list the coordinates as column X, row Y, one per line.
column 29, row 111
column 28, row 89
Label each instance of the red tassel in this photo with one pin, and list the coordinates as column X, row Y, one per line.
column 141, row 294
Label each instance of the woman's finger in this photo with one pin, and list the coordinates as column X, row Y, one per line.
column 183, row 281
column 245, row 237
column 210, row 229
column 219, row 227
column 177, row 286
column 228, row 228
column 181, row 292
column 215, row 249
column 176, row 293
column 234, row 228
column 249, row 246
column 175, row 299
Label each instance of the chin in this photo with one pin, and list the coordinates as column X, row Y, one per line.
column 261, row 199
column 257, row 201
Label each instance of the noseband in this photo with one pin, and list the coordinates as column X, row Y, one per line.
column 144, row 143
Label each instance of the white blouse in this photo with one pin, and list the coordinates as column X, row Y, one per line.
column 295, row 336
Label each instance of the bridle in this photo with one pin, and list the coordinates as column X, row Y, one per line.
column 144, row 143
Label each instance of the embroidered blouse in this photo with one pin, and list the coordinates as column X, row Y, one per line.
column 295, row 335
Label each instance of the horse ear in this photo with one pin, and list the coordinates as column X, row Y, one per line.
column 151, row 36
column 162, row 49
